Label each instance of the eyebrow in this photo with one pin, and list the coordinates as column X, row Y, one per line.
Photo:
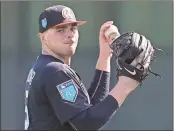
column 64, row 26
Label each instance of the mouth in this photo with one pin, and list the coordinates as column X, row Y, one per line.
column 69, row 43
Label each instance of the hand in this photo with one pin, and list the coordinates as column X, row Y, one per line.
column 105, row 50
column 133, row 53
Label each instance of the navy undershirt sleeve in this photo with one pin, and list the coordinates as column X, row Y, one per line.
column 99, row 87
column 96, row 116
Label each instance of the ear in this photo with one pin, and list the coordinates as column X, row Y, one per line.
column 38, row 35
column 42, row 37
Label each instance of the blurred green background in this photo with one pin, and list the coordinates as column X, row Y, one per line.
column 147, row 108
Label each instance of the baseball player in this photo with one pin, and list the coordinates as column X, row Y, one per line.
column 56, row 98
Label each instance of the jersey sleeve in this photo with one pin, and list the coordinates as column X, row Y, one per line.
column 99, row 88
column 65, row 96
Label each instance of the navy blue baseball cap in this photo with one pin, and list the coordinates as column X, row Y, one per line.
column 55, row 16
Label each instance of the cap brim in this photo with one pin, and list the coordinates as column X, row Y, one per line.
column 74, row 22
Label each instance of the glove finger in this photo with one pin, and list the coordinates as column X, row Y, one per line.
column 147, row 51
column 149, row 57
column 142, row 45
column 119, row 62
column 136, row 39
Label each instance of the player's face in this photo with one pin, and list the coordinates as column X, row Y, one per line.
column 63, row 40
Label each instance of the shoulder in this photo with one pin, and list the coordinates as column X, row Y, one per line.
column 53, row 67
column 47, row 66
column 57, row 69
column 54, row 70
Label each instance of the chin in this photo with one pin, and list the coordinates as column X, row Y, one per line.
column 71, row 53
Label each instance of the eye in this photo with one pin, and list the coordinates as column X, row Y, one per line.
column 73, row 28
column 60, row 30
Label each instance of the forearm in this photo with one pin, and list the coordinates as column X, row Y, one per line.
column 123, row 88
column 98, row 115
column 95, row 117
column 99, row 87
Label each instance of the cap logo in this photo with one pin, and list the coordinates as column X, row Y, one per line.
column 68, row 14
column 44, row 23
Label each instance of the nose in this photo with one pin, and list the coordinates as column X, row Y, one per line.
column 70, row 34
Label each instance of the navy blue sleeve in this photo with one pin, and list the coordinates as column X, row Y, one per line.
column 96, row 116
column 99, row 87
column 65, row 96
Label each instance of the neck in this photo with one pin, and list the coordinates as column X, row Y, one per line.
column 66, row 59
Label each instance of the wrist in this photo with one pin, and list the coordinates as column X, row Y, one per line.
column 103, row 64
column 129, row 84
column 104, row 58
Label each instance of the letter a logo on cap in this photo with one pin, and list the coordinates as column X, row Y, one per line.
column 68, row 14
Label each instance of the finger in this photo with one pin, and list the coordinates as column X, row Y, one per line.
column 105, row 26
column 148, row 51
column 136, row 38
column 144, row 46
column 102, row 33
column 108, row 22
column 148, row 60
column 141, row 43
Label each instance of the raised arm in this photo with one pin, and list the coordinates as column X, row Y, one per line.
column 99, row 87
